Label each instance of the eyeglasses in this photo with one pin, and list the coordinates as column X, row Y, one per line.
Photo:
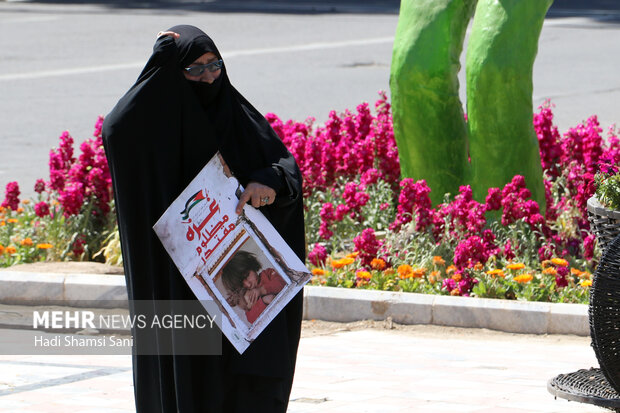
column 200, row 69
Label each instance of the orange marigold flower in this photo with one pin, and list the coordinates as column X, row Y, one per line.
column 10, row 250
column 450, row 269
column 405, row 271
column 25, row 201
column 389, row 271
column 2, row 209
column 575, row 272
column 457, row 277
column 1, row 249
column 318, row 271
column 455, row 291
column 550, row 271
column 378, row 264
column 546, row 263
column 44, row 246
column 2, row 223
column 433, row 277
column 586, row 283
column 342, row 262
column 478, row 266
column 12, row 221
column 437, row 260
column 516, row 266
column 363, row 275
column 419, row 272
column 20, row 210
column 497, row 271
column 524, row 278
column 353, row 255
column 560, row 262
column 27, row 242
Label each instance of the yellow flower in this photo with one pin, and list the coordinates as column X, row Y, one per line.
column 524, row 278
column 405, row 271
column 516, row 266
column 44, row 246
column 318, row 271
column 12, row 221
column 586, row 283
column 10, row 250
column 27, row 242
column 437, row 260
column 377, row 264
column 560, row 262
column 353, row 255
column 2, row 223
column 550, row 271
column 498, row 272
column 364, row 275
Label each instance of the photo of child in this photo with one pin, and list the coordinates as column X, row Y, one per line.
column 250, row 288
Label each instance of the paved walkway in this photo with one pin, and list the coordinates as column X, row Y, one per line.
column 343, row 368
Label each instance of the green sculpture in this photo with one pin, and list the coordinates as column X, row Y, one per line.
column 500, row 58
column 433, row 139
column 429, row 124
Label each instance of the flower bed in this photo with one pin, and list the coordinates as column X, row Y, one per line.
column 367, row 228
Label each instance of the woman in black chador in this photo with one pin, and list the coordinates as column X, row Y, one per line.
column 181, row 110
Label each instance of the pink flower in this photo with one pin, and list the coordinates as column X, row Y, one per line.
column 72, row 198
column 11, row 198
column 560, row 277
column 588, row 247
column 367, row 245
column 39, row 186
column 318, row 255
column 494, row 200
column 42, row 209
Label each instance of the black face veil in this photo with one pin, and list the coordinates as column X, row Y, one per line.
column 157, row 138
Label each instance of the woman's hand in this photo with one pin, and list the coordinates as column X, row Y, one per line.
column 258, row 194
column 171, row 34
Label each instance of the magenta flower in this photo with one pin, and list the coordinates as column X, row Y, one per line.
column 39, row 186
column 367, row 245
column 42, row 209
column 318, row 255
column 72, row 198
column 11, row 197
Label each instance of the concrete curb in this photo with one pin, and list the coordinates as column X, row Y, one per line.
column 327, row 303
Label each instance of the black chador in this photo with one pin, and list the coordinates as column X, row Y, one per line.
column 157, row 138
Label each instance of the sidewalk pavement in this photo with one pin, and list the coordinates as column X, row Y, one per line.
column 359, row 367
column 427, row 363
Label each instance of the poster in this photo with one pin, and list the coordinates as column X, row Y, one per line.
column 238, row 261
